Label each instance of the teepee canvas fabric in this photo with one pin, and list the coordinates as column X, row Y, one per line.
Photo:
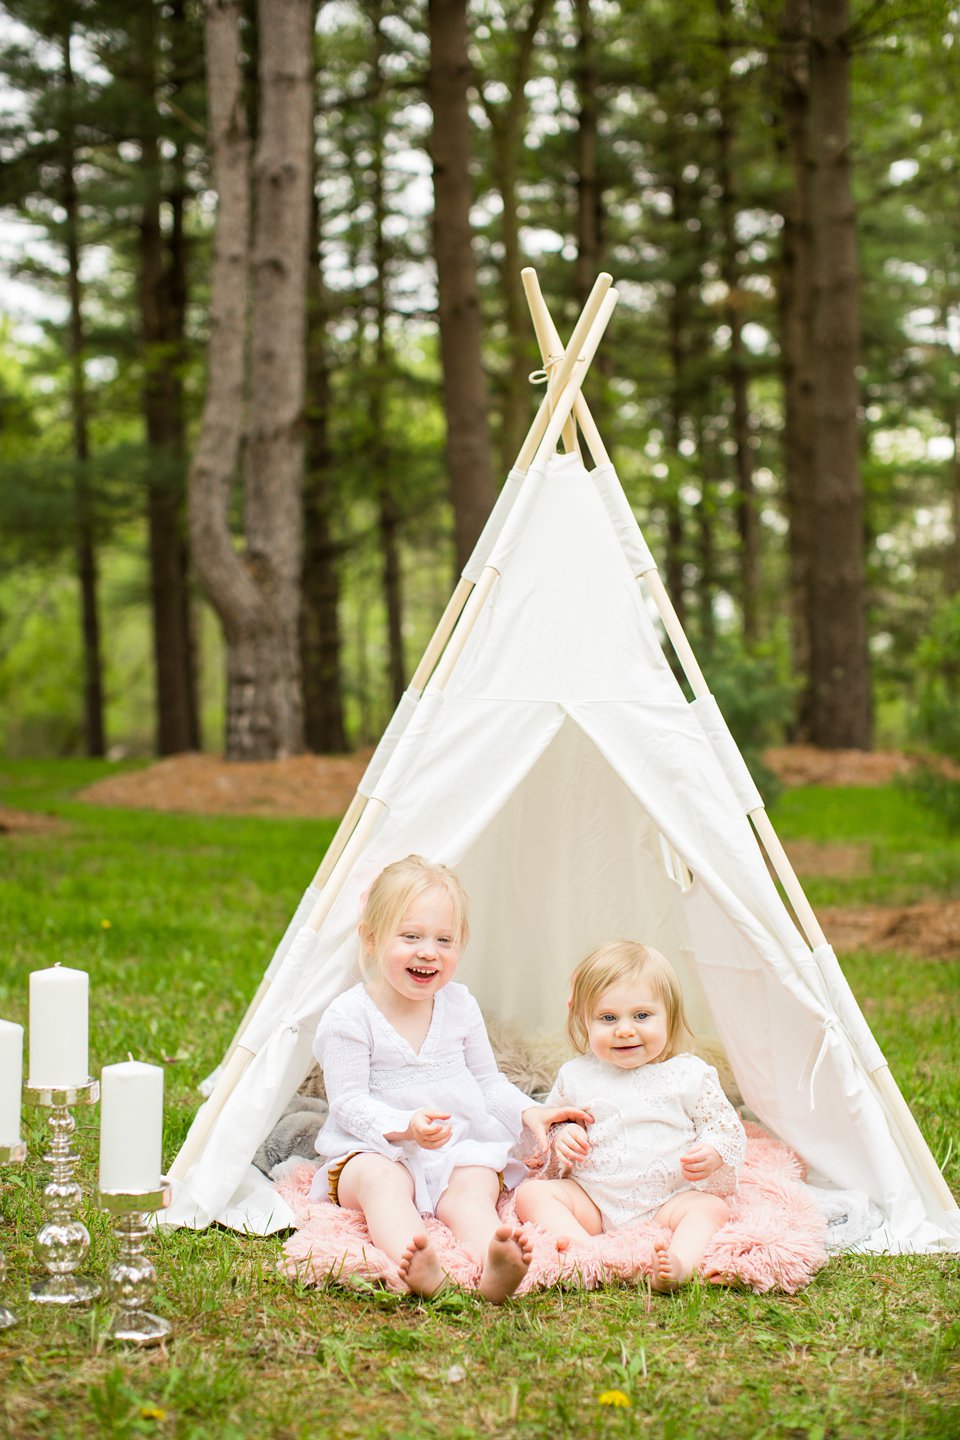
column 582, row 798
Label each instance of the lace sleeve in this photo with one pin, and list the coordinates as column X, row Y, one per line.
column 505, row 1102
column 718, row 1124
column 345, row 1058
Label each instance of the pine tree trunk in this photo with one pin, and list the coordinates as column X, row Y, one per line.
column 469, row 459
column 258, row 597
column 84, row 532
column 507, row 122
column 388, row 518
column 283, row 168
column 746, row 505
column 176, row 721
column 840, row 671
column 320, row 642
column 796, row 305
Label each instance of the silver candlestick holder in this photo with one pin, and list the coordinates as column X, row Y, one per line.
column 132, row 1278
column 62, row 1243
column 14, row 1154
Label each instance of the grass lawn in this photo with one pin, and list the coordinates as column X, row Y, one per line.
column 175, row 918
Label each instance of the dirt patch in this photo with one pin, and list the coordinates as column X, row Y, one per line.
column 313, row 785
column 23, row 822
column 806, row 765
column 845, row 862
column 930, row 928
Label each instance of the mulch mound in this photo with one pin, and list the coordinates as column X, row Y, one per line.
column 21, row 822
column 314, row 785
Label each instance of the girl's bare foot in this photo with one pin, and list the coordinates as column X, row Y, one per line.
column 420, row 1270
column 668, row 1270
column 506, row 1264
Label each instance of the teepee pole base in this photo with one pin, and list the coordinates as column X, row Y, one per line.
column 210, row 1111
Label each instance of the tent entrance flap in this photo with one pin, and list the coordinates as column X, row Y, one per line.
column 571, row 861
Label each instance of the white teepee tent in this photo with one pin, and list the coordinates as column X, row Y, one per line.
column 554, row 760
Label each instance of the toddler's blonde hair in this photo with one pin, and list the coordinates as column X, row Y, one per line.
column 391, row 895
column 626, row 960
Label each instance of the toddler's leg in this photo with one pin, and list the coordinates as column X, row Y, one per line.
column 559, row 1206
column 469, row 1207
column 383, row 1190
column 694, row 1217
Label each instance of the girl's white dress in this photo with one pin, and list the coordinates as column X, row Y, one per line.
column 644, row 1121
column 375, row 1081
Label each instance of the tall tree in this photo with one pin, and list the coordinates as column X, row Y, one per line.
column 840, row 667
column 468, row 448
column 257, row 595
column 795, row 294
column 85, row 534
column 162, row 305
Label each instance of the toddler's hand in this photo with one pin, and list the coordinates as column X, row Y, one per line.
column 539, row 1118
column 700, row 1162
column 427, row 1129
column 571, row 1145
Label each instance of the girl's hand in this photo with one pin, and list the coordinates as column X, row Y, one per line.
column 427, row 1129
column 570, row 1145
column 539, row 1118
column 700, row 1162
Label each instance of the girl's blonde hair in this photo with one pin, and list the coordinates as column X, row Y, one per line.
column 391, row 895
column 626, row 960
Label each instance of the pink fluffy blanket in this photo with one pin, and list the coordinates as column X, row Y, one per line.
column 774, row 1239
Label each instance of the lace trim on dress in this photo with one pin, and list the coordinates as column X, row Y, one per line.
column 718, row 1124
column 415, row 1074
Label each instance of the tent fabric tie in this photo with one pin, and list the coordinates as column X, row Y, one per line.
column 830, row 1024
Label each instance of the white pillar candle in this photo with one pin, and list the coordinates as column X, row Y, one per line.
column 131, row 1127
column 59, row 1001
column 11, row 1081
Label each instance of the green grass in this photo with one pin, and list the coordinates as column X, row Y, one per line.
column 195, row 906
column 913, row 855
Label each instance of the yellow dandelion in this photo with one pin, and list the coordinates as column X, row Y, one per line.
column 152, row 1412
column 613, row 1397
column 105, row 924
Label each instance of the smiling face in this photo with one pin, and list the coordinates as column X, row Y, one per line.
column 420, row 956
column 628, row 1025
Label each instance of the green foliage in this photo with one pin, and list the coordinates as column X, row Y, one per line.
column 755, row 692
column 937, row 720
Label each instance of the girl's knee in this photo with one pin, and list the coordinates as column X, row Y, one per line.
column 365, row 1172
column 525, row 1197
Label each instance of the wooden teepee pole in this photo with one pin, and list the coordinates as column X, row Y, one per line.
column 541, row 441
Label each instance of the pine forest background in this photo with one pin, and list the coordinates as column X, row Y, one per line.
column 265, row 358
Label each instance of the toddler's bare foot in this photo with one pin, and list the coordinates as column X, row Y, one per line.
column 420, row 1270
column 506, row 1264
column 668, row 1270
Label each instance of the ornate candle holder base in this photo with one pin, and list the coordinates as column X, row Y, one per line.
column 63, row 1241
column 132, row 1278
column 14, row 1154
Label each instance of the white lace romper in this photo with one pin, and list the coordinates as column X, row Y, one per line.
column 375, row 1080
column 644, row 1120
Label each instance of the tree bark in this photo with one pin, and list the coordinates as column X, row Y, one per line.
column 85, row 537
column 258, row 597
column 840, row 669
column 468, row 450
column 176, row 718
column 746, row 505
column 388, row 516
column 507, row 128
column 320, row 641
column 796, row 305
